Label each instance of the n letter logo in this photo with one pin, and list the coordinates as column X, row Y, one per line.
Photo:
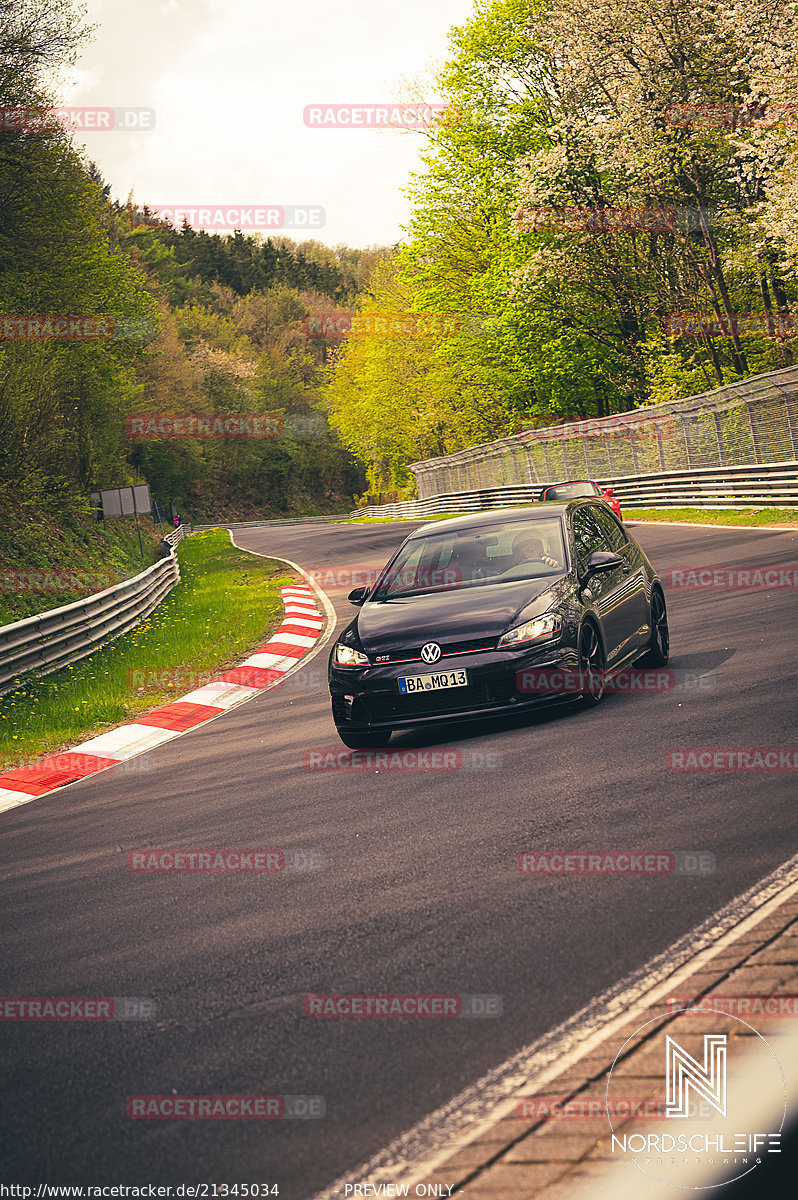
column 684, row 1072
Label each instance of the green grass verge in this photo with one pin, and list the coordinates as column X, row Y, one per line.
column 227, row 603
column 711, row 516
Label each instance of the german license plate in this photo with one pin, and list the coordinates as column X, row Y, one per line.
column 410, row 684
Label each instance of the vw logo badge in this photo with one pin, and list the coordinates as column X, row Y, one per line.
column 431, row 652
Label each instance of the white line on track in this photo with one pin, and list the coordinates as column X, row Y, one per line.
column 326, row 603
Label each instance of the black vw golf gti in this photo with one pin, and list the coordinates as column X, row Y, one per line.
column 496, row 612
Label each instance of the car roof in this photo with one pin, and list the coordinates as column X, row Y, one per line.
column 497, row 516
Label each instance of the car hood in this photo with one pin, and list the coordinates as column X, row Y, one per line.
column 451, row 617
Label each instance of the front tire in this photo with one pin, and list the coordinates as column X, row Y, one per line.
column 591, row 665
column 364, row 741
column 659, row 645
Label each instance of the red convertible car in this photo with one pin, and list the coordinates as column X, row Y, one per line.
column 580, row 487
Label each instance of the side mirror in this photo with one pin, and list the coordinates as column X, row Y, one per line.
column 358, row 595
column 600, row 561
column 610, row 491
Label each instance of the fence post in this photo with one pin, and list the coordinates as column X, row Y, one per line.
column 521, row 463
column 719, row 439
column 686, row 431
column 754, row 433
column 658, row 431
column 530, row 466
column 633, row 448
column 546, row 459
column 790, row 408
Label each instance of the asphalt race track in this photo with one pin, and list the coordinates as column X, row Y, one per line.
column 415, row 889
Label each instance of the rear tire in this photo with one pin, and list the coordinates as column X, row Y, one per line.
column 364, row 741
column 591, row 664
column 659, row 645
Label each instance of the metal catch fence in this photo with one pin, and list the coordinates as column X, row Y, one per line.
column 748, row 423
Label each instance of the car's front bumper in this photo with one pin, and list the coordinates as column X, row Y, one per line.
column 369, row 699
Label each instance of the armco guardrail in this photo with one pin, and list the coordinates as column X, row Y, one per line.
column 766, row 485
column 54, row 639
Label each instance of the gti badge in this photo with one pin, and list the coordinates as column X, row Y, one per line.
column 431, row 652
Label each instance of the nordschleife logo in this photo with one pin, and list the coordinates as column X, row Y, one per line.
column 683, row 1073
column 719, row 1100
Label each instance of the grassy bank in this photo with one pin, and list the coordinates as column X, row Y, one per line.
column 710, row 516
column 227, row 604
column 37, row 554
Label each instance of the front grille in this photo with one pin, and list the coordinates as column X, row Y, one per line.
column 413, row 653
column 384, row 706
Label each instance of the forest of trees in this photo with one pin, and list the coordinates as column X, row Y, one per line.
column 684, row 111
column 208, row 324
column 559, row 109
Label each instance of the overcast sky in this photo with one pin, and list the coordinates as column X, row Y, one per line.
column 229, row 80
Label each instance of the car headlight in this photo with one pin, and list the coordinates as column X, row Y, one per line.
column 530, row 631
column 345, row 656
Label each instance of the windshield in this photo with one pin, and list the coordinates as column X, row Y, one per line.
column 485, row 554
column 565, row 491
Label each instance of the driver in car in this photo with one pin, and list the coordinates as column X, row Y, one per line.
column 527, row 547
